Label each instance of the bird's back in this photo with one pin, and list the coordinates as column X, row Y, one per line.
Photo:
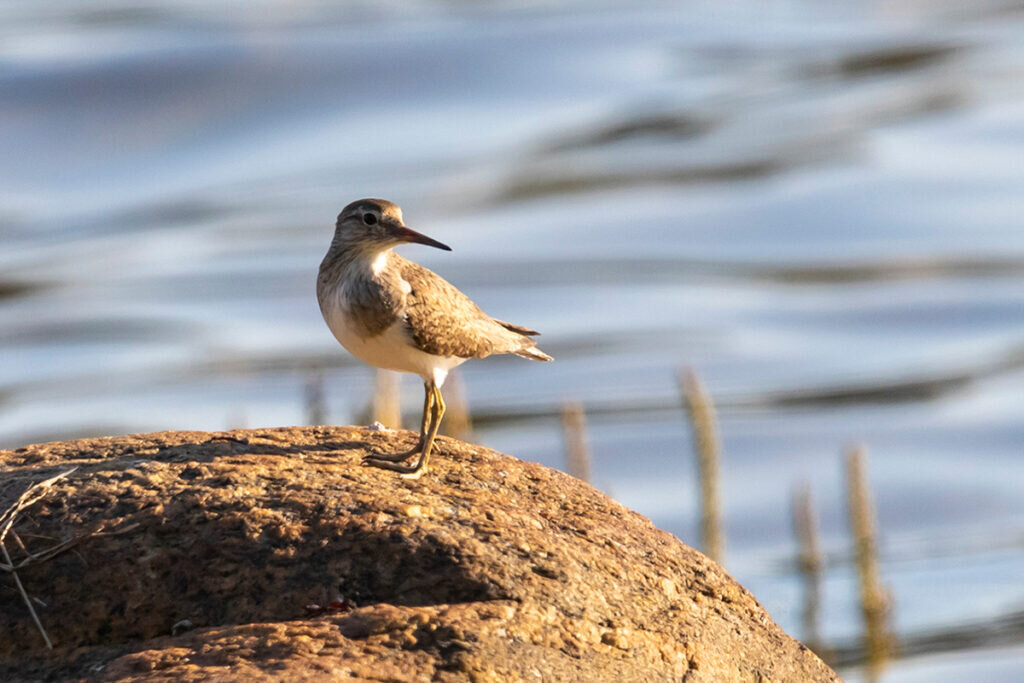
column 445, row 322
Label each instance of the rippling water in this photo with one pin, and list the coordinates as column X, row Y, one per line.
column 818, row 209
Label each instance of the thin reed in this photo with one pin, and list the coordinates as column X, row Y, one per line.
column 873, row 598
column 574, row 427
column 387, row 400
column 811, row 565
column 316, row 402
column 457, row 423
column 707, row 447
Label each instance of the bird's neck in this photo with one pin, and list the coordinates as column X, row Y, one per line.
column 345, row 259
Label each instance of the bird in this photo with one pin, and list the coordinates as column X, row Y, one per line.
column 395, row 314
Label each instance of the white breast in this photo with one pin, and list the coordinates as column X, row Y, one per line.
column 392, row 349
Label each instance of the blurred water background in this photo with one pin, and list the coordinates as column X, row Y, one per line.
column 818, row 206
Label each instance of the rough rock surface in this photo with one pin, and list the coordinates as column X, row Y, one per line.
column 486, row 569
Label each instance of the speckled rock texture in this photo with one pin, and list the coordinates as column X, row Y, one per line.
column 217, row 545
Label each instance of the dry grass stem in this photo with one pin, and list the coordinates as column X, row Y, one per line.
column 30, row 495
column 458, row 423
column 706, row 444
column 7, row 519
column 316, row 403
column 24, row 595
column 21, row 544
column 873, row 598
column 811, row 564
column 387, row 403
column 577, row 454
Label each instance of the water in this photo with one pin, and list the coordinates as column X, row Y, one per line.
column 819, row 209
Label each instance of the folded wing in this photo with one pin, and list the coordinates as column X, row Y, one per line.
column 443, row 321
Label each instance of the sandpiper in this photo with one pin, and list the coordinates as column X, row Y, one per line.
column 395, row 314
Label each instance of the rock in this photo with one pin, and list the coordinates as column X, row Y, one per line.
column 273, row 554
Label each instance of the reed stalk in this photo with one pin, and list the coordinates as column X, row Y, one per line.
column 874, row 601
column 811, row 564
column 387, row 399
column 316, row 402
column 577, row 454
column 457, row 423
column 707, row 447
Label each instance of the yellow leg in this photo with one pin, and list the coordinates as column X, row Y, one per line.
column 405, row 455
column 415, row 471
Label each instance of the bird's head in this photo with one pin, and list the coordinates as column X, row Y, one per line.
column 375, row 225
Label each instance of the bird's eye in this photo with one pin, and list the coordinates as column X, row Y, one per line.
column 369, row 219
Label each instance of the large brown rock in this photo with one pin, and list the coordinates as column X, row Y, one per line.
column 486, row 569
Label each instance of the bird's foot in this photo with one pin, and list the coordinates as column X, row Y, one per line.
column 407, row 471
column 395, row 457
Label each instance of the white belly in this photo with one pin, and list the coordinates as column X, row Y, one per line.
column 392, row 349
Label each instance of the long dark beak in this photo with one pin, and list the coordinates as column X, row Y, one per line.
column 407, row 235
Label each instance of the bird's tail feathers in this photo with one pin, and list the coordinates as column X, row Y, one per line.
column 518, row 329
column 533, row 353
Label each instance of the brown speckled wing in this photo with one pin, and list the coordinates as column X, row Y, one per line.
column 445, row 322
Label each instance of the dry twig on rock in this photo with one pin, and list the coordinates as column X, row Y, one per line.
column 7, row 519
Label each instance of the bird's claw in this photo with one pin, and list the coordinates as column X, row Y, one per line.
column 393, row 457
column 383, row 458
column 406, row 471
